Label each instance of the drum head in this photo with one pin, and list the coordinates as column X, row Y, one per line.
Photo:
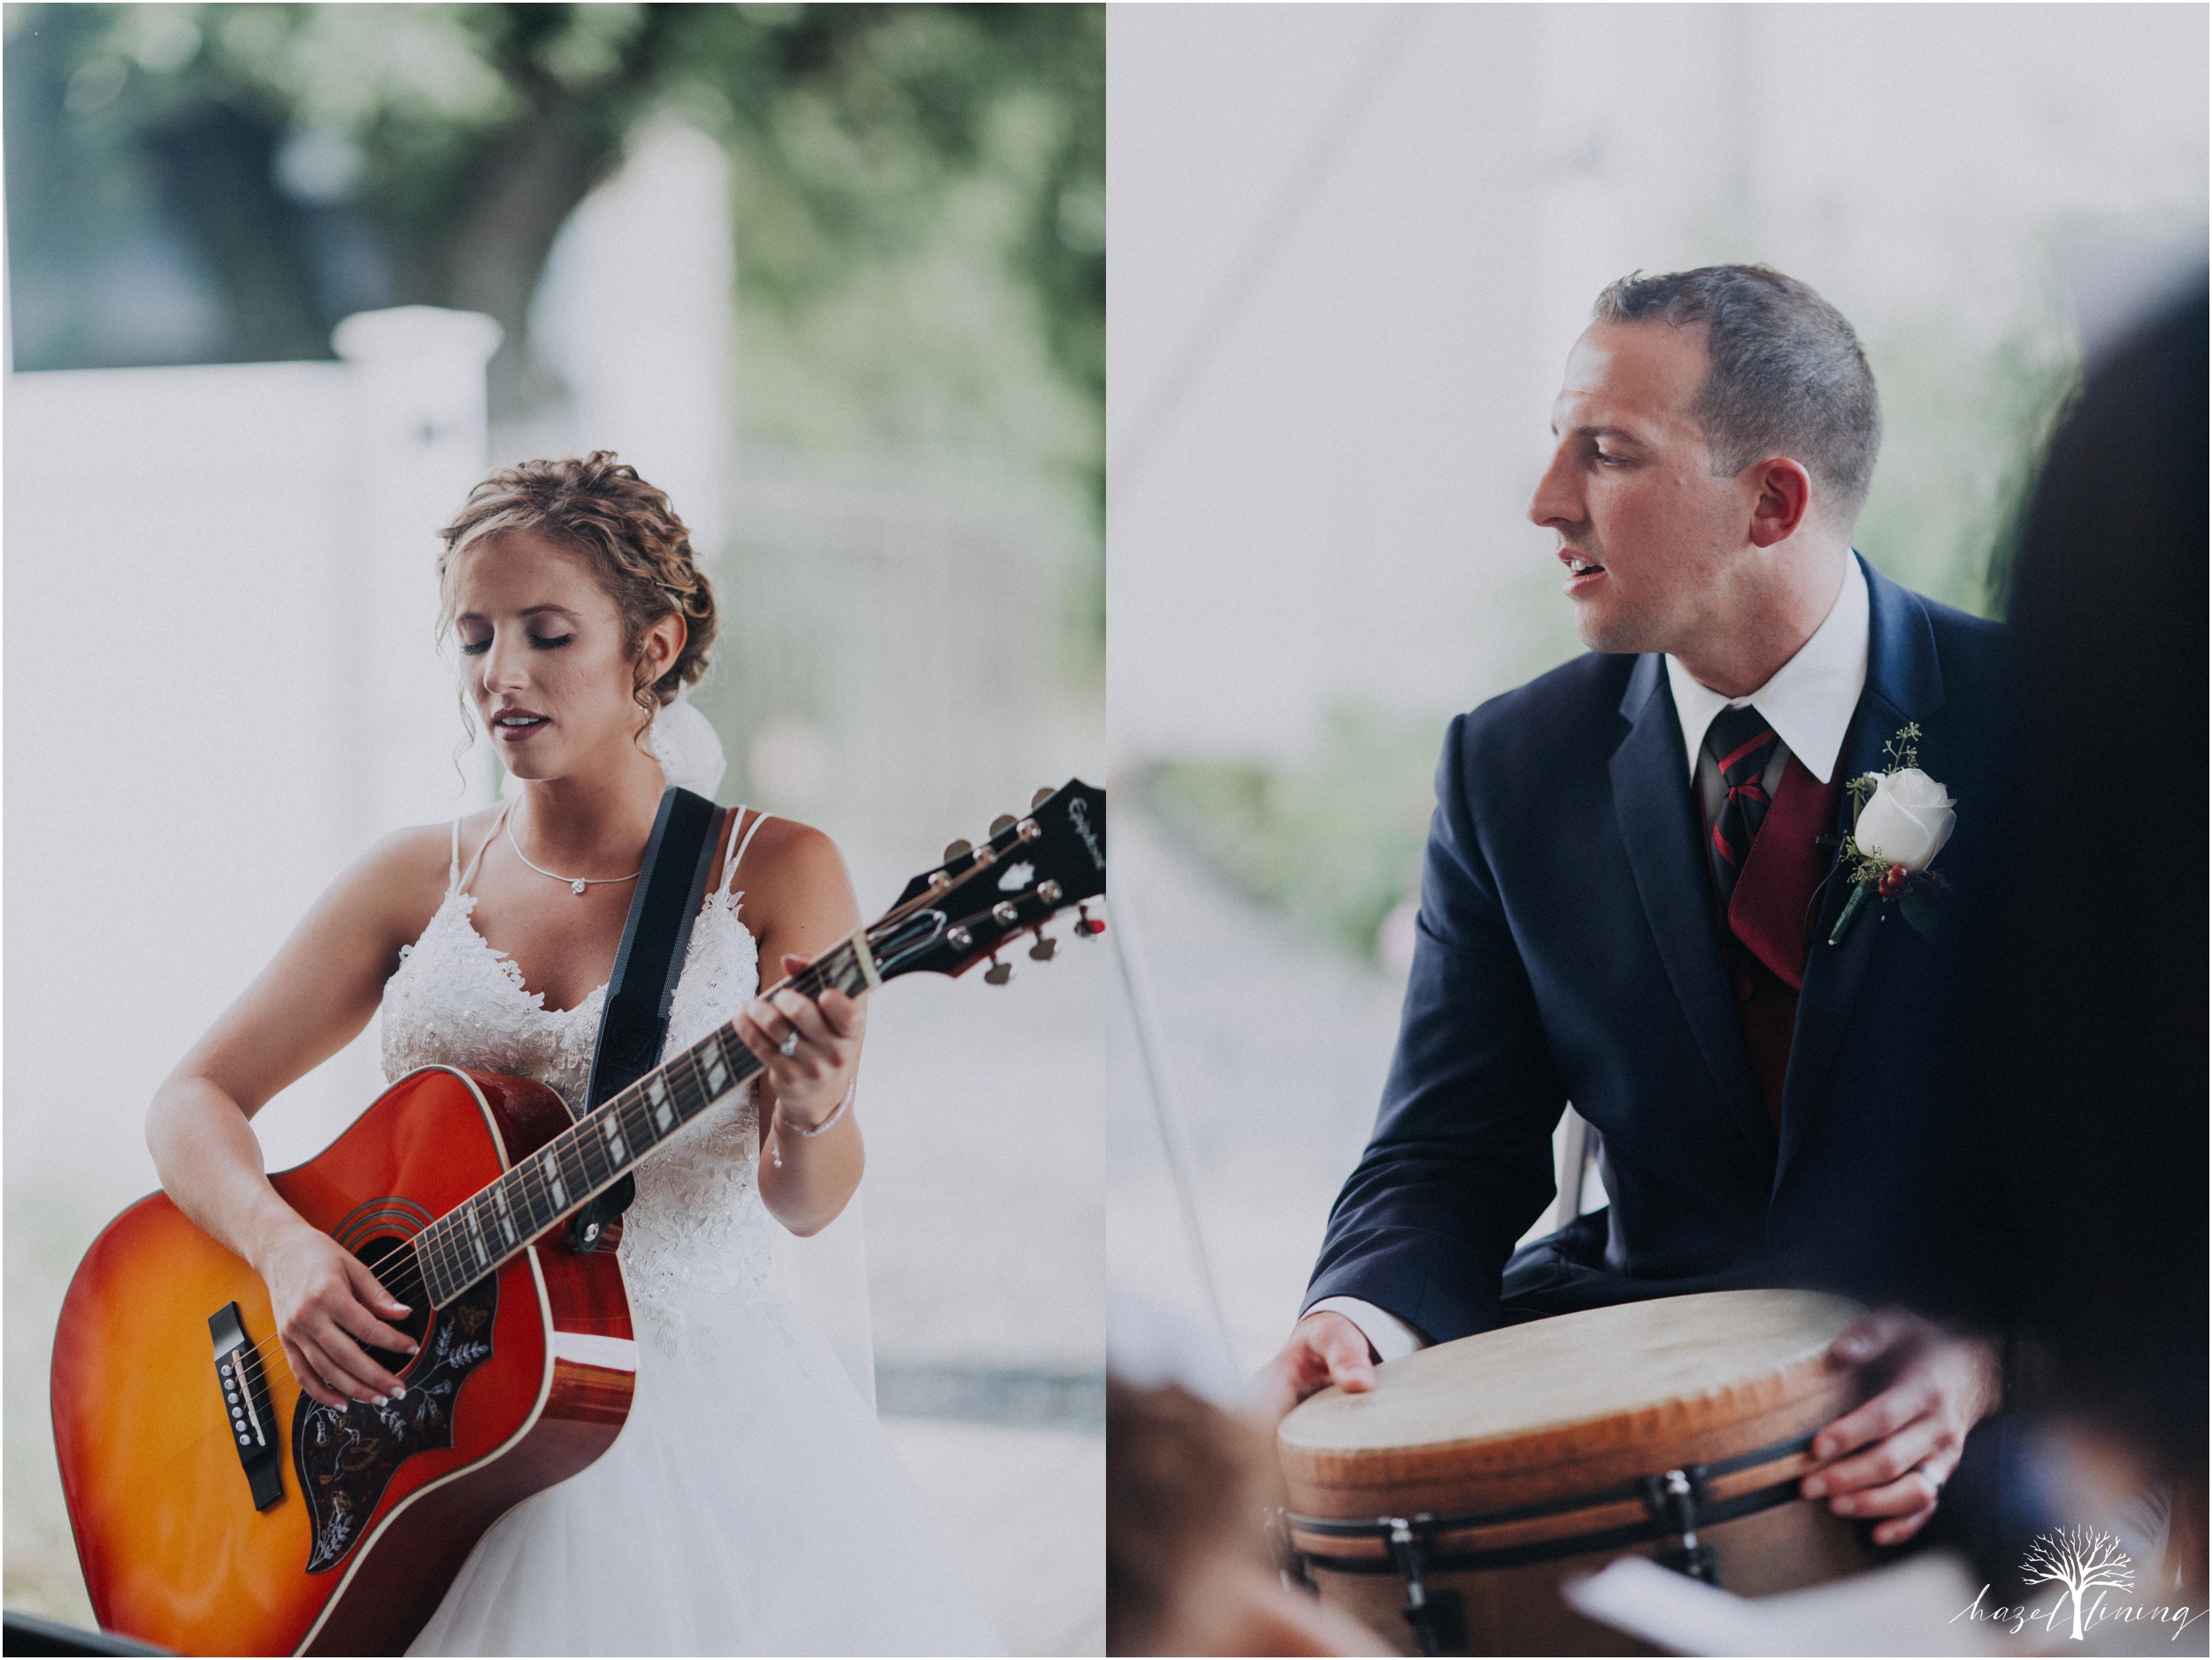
column 1530, row 1411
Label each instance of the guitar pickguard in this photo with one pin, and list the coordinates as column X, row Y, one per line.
column 346, row 1459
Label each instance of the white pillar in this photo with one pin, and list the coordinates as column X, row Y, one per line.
column 650, row 356
column 418, row 447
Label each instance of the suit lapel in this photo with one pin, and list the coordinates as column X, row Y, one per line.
column 1904, row 682
column 1659, row 828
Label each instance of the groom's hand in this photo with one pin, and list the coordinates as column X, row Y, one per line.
column 1906, row 1441
column 1325, row 1348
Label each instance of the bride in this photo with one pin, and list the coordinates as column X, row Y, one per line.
column 751, row 1504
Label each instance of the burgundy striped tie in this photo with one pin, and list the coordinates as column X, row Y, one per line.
column 1741, row 743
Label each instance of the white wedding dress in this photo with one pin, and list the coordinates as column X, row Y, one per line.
column 752, row 1504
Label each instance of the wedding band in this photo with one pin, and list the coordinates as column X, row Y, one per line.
column 790, row 1045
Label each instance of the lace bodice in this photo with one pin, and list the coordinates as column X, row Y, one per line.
column 697, row 1233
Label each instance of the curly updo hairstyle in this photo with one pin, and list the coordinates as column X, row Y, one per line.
column 626, row 532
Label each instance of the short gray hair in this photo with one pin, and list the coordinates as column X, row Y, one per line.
column 1789, row 377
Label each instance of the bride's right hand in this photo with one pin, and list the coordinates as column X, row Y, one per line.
column 327, row 1305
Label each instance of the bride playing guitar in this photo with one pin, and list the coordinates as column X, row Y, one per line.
column 579, row 613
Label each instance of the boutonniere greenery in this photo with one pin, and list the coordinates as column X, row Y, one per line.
column 1902, row 820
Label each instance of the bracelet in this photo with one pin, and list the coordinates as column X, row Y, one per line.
column 775, row 1148
column 823, row 1128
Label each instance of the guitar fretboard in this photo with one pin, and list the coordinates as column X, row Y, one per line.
column 482, row 1233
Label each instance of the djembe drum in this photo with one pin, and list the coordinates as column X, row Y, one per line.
column 1444, row 1506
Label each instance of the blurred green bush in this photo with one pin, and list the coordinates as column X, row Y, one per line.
column 1334, row 843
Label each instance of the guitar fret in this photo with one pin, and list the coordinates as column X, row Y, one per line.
column 688, row 1086
column 548, row 1164
column 438, row 1274
column 456, row 1264
column 662, row 1109
column 537, row 1199
column 475, row 1238
column 590, row 1157
column 575, row 1167
column 534, row 1196
column 716, row 1077
column 637, row 1124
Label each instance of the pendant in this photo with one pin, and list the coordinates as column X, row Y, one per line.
column 576, row 886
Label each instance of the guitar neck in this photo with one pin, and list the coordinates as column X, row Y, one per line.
column 969, row 907
column 490, row 1229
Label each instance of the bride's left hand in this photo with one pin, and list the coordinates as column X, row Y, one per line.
column 810, row 1082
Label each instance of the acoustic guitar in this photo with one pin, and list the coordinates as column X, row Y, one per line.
column 219, row 1510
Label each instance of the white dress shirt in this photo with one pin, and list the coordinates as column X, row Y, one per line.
column 1809, row 702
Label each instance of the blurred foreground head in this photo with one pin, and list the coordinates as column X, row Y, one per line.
column 2079, row 1190
column 1187, row 1570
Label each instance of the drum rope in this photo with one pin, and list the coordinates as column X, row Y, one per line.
column 1551, row 1549
column 1635, row 1490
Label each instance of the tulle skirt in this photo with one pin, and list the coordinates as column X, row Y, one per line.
column 752, row 1504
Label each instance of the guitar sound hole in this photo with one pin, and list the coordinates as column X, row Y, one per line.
column 418, row 1321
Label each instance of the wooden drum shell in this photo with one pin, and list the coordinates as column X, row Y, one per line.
column 1724, row 1375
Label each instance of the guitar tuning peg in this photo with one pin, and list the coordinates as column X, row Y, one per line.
column 957, row 849
column 1041, row 798
column 1042, row 951
column 1086, row 925
column 999, row 973
column 1001, row 824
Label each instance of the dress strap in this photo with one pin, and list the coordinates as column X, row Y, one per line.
column 453, row 864
column 729, row 876
column 505, row 807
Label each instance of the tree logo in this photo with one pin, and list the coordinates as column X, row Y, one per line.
column 2078, row 1558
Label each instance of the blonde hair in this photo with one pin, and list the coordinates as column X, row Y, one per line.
column 627, row 534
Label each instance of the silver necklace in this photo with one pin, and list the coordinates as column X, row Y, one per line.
column 576, row 884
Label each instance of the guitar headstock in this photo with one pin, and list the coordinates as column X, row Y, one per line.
column 985, row 899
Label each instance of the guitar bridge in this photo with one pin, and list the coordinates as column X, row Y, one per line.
column 243, row 1380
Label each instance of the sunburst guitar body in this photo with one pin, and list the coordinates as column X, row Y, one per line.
column 219, row 1509
column 519, row 1384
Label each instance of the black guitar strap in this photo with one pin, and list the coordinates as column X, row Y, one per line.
column 633, row 1022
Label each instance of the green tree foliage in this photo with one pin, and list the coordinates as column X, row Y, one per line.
column 304, row 161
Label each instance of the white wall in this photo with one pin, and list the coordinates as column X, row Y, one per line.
column 221, row 687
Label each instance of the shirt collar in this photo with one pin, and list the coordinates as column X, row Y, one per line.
column 1809, row 700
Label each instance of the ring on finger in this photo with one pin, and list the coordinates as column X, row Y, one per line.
column 790, row 1045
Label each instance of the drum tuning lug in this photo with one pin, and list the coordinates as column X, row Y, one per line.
column 1041, row 798
column 958, row 848
column 1042, row 952
column 1001, row 824
column 999, row 973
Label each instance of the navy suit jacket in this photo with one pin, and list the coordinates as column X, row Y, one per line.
column 1569, row 949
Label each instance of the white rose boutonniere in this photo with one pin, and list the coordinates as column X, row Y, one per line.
column 1904, row 818
column 1907, row 819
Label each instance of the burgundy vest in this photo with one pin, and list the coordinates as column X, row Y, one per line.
column 1769, row 919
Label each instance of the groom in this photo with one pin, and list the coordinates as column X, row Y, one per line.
column 1630, row 893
